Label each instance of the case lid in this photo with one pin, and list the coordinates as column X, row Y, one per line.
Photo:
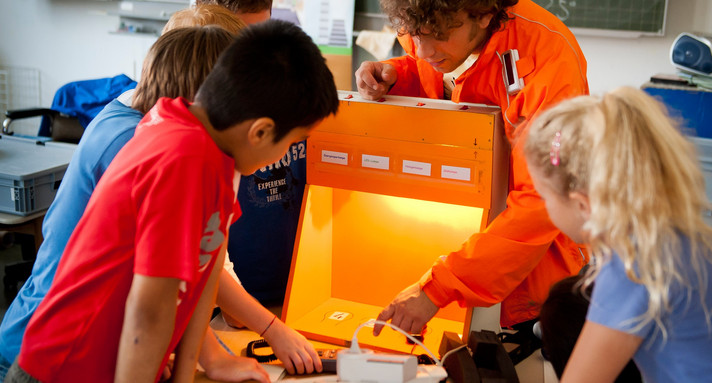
column 23, row 158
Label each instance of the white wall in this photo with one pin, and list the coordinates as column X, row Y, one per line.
column 614, row 62
column 69, row 40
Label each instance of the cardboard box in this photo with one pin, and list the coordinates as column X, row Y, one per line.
column 390, row 186
column 30, row 173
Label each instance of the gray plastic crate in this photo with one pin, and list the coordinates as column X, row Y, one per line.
column 704, row 151
column 30, row 173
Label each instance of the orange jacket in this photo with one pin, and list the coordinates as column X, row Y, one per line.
column 517, row 258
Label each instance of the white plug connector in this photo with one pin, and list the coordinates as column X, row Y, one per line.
column 367, row 366
column 356, row 365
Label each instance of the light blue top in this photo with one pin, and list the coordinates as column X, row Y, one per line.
column 103, row 138
column 686, row 354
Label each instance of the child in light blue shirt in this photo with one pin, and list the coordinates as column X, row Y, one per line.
column 615, row 173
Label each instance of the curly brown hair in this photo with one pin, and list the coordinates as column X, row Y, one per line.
column 437, row 17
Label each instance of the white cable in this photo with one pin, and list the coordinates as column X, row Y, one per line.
column 356, row 349
column 454, row 350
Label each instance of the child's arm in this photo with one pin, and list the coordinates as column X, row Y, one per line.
column 148, row 327
column 600, row 354
column 291, row 347
column 188, row 349
column 223, row 367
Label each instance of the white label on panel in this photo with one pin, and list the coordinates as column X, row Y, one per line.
column 455, row 173
column 414, row 167
column 375, row 162
column 338, row 158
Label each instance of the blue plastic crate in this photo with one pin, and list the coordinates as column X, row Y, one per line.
column 692, row 105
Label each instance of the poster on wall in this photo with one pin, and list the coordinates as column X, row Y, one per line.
column 330, row 24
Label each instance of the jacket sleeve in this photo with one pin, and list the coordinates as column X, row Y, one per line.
column 491, row 264
column 408, row 82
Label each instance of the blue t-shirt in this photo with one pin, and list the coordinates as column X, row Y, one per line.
column 686, row 354
column 261, row 241
column 102, row 139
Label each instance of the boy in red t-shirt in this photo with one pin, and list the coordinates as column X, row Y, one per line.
column 137, row 280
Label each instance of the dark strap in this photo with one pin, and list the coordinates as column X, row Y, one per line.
column 260, row 343
column 524, row 338
column 25, row 113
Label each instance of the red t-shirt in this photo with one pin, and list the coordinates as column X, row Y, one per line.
column 162, row 209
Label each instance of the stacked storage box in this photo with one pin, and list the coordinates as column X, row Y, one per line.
column 693, row 107
column 30, row 173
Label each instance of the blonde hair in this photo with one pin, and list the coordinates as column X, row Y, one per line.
column 202, row 15
column 177, row 64
column 644, row 184
column 184, row 54
column 243, row 6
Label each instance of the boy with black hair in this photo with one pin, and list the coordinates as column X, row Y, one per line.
column 138, row 278
column 271, row 200
column 250, row 11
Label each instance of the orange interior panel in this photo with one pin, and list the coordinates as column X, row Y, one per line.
column 387, row 193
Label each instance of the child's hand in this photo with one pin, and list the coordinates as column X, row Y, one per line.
column 293, row 349
column 167, row 371
column 232, row 321
column 230, row 368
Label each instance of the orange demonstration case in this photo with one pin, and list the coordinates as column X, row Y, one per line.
column 391, row 185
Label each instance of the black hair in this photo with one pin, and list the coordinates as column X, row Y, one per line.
column 272, row 69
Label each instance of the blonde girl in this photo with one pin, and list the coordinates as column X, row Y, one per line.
column 206, row 14
column 615, row 173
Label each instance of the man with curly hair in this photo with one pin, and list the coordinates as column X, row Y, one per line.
column 250, row 11
column 460, row 50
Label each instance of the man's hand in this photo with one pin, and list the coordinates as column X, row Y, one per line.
column 374, row 79
column 293, row 349
column 410, row 310
column 230, row 368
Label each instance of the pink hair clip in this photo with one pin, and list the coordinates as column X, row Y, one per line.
column 555, row 147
